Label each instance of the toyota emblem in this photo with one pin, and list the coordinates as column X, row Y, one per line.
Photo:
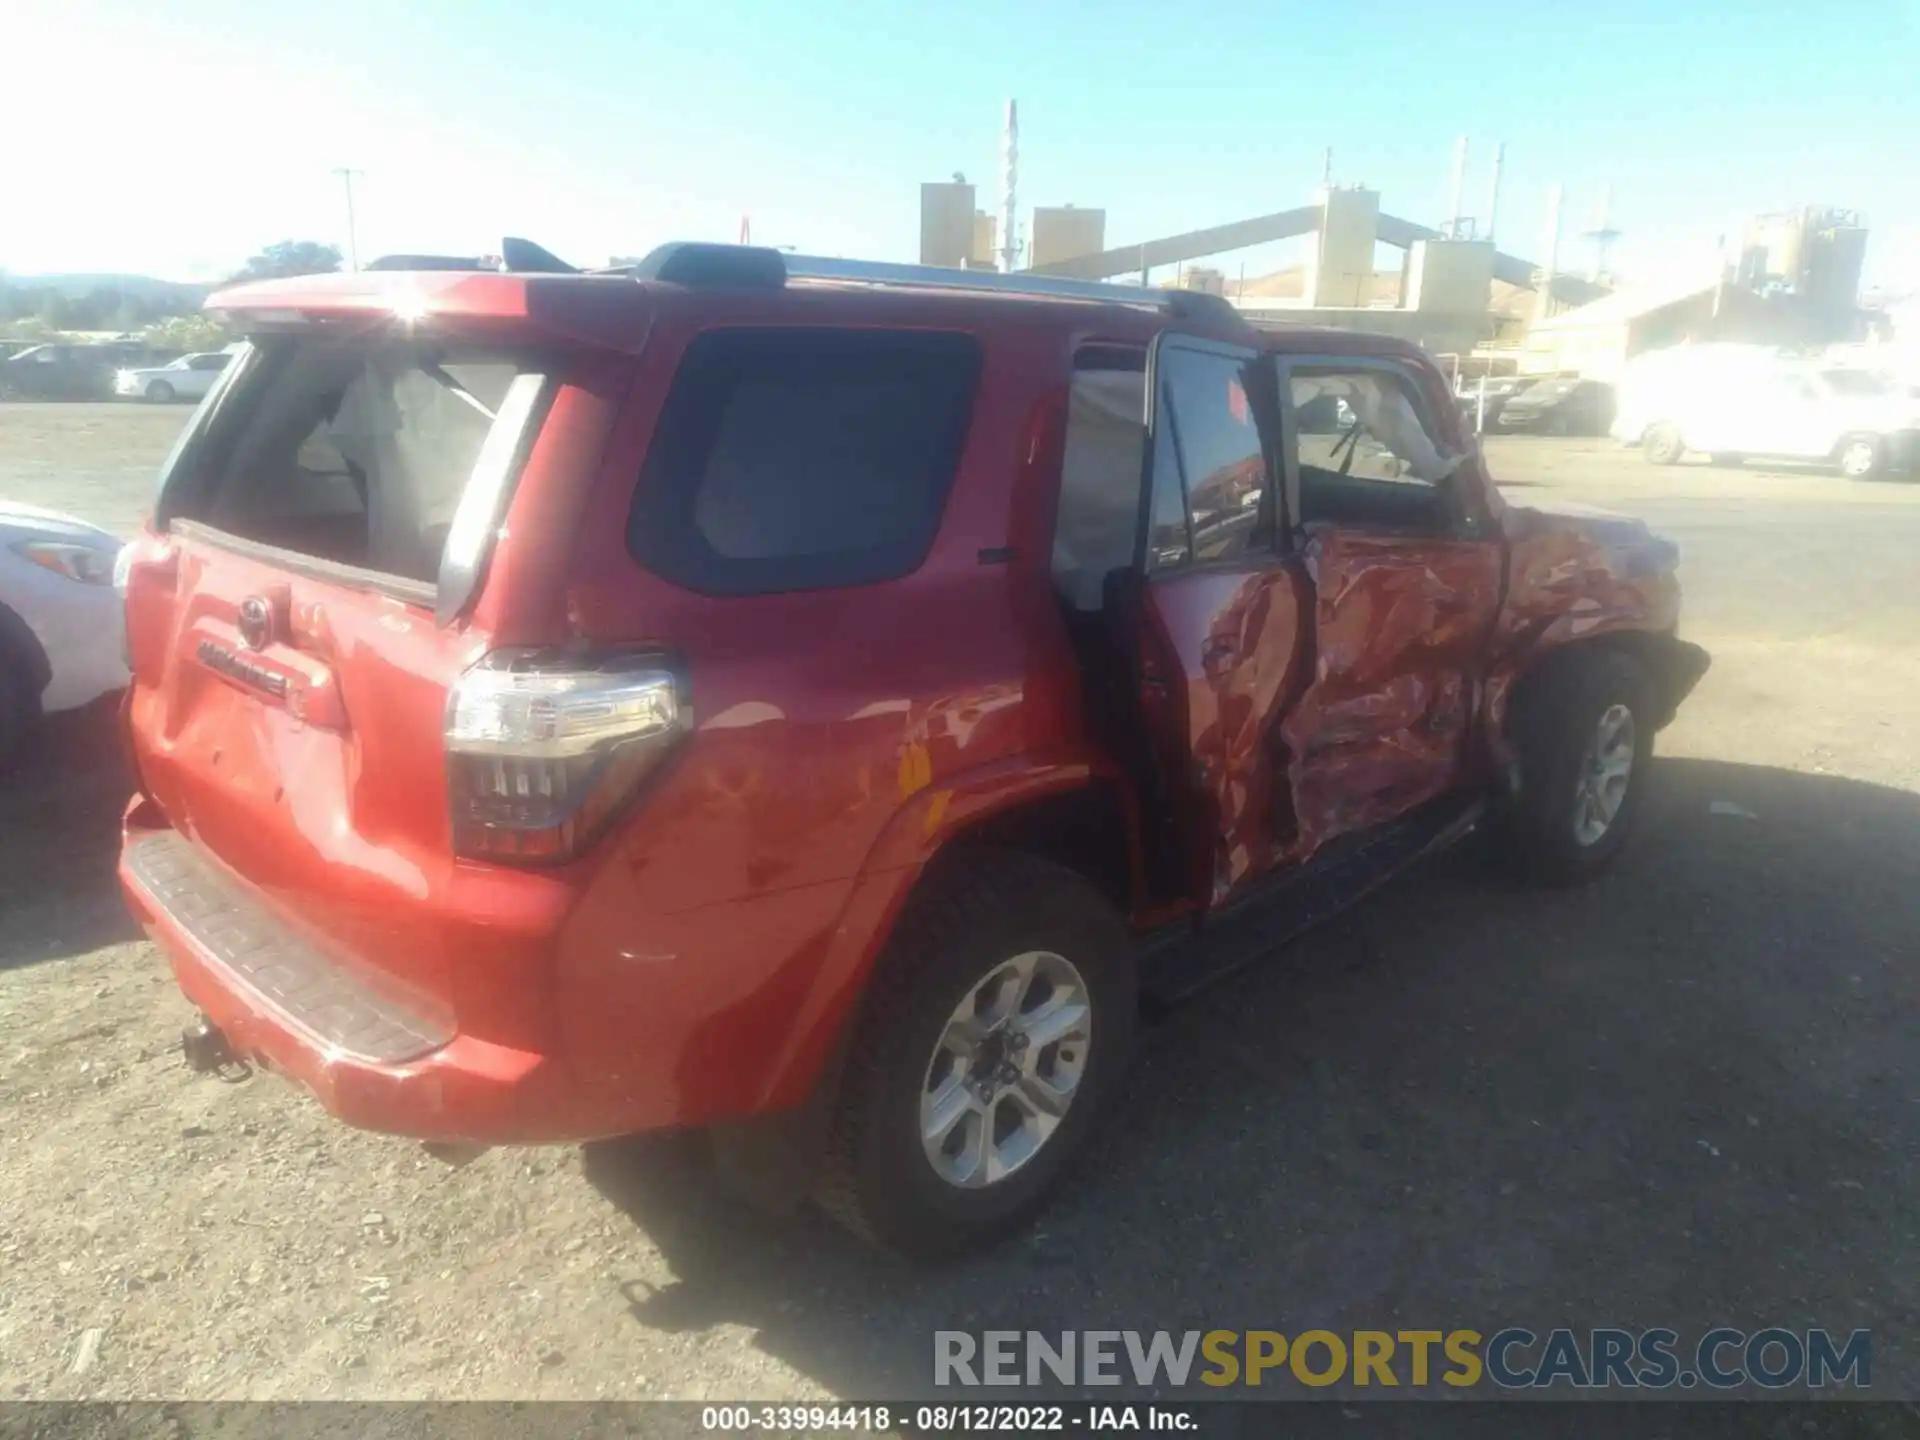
column 256, row 622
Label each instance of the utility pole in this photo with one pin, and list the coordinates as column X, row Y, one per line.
column 1454, row 230
column 346, row 175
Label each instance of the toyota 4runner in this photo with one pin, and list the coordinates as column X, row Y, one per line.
column 817, row 702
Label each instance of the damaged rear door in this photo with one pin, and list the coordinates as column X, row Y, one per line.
column 1221, row 628
column 1405, row 577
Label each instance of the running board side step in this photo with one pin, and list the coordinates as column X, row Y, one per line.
column 1180, row 960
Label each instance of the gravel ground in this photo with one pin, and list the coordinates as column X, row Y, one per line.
column 1683, row 1096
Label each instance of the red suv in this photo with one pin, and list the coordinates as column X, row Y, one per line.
column 816, row 701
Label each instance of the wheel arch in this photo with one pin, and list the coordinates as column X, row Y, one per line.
column 17, row 641
column 1676, row 666
column 1078, row 813
column 1089, row 829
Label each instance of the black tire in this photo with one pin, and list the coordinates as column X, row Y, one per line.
column 1554, row 722
column 1863, row 457
column 1557, row 425
column 1662, row 445
column 19, row 712
column 1728, row 460
column 160, row 392
column 985, row 909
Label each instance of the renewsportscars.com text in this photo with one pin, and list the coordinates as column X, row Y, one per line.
column 1511, row 1358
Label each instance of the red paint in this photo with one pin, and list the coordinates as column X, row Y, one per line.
column 1237, row 643
column 701, row 961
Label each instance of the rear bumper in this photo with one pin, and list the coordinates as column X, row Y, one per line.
column 373, row 1058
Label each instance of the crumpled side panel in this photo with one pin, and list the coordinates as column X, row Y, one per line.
column 1398, row 629
column 1573, row 575
column 1237, row 640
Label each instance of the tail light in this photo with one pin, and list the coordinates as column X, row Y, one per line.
column 543, row 748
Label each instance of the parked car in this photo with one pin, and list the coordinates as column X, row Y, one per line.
column 188, row 378
column 57, row 372
column 1499, row 389
column 60, row 626
column 719, row 695
column 1863, row 423
column 1559, row 407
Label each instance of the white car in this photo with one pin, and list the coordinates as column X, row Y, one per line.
column 61, row 624
column 187, row 378
column 1732, row 407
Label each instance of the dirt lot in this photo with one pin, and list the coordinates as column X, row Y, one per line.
column 1686, row 1096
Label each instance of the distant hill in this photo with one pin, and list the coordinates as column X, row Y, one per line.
column 171, row 294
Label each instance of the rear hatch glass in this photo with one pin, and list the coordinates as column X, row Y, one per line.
column 360, row 455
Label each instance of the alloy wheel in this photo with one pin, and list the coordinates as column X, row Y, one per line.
column 1605, row 773
column 1005, row 1070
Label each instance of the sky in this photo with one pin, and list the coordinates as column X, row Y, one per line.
column 180, row 138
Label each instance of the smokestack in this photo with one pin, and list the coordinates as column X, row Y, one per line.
column 1493, row 187
column 1543, row 299
column 1459, row 187
column 1009, row 176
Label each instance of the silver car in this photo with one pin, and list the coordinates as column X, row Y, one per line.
column 187, row 378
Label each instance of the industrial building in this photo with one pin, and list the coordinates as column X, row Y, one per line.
column 1794, row 280
column 953, row 231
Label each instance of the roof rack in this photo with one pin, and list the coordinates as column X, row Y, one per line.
column 700, row 265
column 1182, row 303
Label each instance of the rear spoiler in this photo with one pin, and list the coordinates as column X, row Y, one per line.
column 516, row 257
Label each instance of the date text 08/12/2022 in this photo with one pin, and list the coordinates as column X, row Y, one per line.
column 946, row 1419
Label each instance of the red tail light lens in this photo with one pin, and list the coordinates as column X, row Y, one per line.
column 544, row 747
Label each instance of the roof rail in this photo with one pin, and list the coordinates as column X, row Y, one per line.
column 1181, row 303
column 702, row 265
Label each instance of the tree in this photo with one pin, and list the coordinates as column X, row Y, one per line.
column 291, row 257
column 56, row 311
column 132, row 313
column 189, row 332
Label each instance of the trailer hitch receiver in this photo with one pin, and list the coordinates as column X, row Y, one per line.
column 205, row 1048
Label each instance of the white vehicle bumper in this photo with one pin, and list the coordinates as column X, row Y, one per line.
column 80, row 626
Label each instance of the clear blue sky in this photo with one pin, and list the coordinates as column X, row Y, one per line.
column 180, row 137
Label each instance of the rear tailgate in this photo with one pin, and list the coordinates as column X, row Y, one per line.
column 311, row 765
column 325, row 566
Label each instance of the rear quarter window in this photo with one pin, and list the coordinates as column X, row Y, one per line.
column 796, row 459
